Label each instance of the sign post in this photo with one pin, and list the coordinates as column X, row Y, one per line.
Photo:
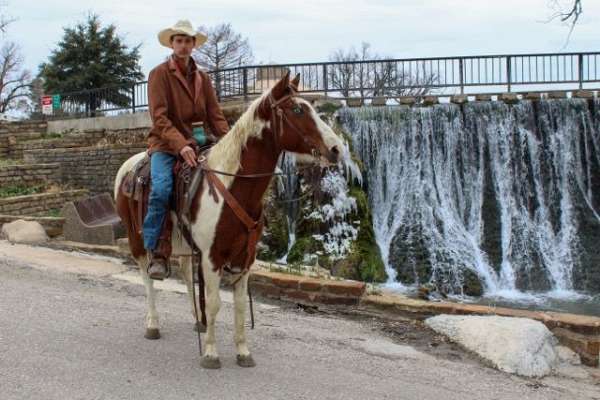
column 47, row 105
column 56, row 102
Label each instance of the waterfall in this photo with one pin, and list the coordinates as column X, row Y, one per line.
column 507, row 193
column 288, row 191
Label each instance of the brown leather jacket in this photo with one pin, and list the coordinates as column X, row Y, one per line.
column 175, row 102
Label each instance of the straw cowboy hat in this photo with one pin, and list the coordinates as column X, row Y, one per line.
column 183, row 27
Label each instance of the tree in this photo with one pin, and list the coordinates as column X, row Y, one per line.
column 224, row 49
column 92, row 57
column 569, row 15
column 14, row 81
column 355, row 72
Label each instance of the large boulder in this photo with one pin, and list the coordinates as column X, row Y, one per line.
column 515, row 345
column 21, row 231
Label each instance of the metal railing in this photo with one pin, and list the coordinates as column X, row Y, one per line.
column 372, row 78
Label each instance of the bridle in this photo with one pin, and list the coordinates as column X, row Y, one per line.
column 279, row 117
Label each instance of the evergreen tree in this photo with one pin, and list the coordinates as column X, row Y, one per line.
column 91, row 57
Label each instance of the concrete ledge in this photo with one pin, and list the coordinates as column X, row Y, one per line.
column 579, row 332
column 354, row 102
column 125, row 121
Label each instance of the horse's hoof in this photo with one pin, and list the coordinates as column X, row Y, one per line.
column 210, row 362
column 245, row 361
column 201, row 326
column 152, row 333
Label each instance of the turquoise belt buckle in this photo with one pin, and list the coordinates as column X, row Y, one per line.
column 199, row 135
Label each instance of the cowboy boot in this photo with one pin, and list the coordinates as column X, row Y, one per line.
column 158, row 261
column 157, row 266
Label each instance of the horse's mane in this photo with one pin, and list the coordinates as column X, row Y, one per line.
column 226, row 154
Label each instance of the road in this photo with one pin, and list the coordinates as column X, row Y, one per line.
column 71, row 327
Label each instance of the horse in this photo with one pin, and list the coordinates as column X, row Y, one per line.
column 276, row 122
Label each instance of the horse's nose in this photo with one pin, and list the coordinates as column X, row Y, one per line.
column 334, row 154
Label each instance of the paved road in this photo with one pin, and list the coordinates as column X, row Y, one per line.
column 71, row 327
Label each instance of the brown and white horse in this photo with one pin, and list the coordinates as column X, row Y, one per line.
column 252, row 146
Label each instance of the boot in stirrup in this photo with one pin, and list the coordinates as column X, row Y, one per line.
column 158, row 268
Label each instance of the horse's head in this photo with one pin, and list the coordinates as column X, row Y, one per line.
column 297, row 127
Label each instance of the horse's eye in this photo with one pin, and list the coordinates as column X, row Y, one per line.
column 297, row 110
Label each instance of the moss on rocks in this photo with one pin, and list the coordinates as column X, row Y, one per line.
column 275, row 238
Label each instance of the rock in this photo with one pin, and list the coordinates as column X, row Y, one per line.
column 508, row 98
column 472, row 284
column 430, row 100
column 354, row 102
column 21, row 231
column 459, row 99
column 515, row 345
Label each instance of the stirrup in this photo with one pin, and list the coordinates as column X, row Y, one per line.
column 166, row 264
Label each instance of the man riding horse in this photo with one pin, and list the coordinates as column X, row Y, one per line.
column 180, row 97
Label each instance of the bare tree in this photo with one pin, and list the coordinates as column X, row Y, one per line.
column 569, row 15
column 14, row 81
column 4, row 19
column 224, row 49
column 355, row 72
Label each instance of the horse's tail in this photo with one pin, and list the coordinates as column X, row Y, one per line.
column 124, row 169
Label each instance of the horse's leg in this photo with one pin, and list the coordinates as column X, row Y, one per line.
column 240, row 290
column 212, row 279
column 187, row 272
column 152, row 331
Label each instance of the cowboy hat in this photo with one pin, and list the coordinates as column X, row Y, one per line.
column 183, row 27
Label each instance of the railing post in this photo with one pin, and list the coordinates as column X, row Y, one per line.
column 461, row 71
column 218, row 84
column 245, row 82
column 325, row 82
column 580, row 69
column 508, row 73
column 133, row 98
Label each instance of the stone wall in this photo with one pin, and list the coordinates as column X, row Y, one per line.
column 29, row 174
column 91, row 168
column 38, row 204
column 9, row 130
column 306, row 290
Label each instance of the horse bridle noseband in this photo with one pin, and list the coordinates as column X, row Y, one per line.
column 278, row 115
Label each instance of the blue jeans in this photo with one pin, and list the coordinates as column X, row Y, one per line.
column 161, row 174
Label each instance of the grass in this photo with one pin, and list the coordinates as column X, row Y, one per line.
column 51, row 135
column 54, row 212
column 5, row 162
column 12, row 191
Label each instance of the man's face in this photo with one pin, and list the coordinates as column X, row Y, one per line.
column 183, row 45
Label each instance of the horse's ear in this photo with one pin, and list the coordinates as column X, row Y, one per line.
column 279, row 89
column 295, row 82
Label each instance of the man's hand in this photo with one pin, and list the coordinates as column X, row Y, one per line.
column 189, row 156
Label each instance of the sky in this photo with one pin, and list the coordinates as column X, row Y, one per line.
column 310, row 30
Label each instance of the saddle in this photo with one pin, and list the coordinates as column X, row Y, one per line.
column 187, row 181
column 136, row 187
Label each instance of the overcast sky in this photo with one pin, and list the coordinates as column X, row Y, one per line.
column 309, row 30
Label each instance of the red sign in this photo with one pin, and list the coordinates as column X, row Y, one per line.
column 47, row 105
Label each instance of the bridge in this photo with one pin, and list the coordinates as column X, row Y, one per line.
column 369, row 79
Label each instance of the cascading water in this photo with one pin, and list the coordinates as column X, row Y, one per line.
column 508, row 194
column 288, row 192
